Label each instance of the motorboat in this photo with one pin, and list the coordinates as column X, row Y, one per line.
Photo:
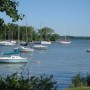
column 24, row 49
column 39, row 47
column 13, row 59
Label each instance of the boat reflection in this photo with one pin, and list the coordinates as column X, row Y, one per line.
column 12, row 68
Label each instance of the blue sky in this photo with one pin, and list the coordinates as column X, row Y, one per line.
column 72, row 16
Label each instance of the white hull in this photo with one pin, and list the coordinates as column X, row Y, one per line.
column 24, row 49
column 13, row 59
column 46, row 42
column 40, row 47
column 65, row 42
column 7, row 43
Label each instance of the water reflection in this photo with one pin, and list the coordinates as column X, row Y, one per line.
column 11, row 68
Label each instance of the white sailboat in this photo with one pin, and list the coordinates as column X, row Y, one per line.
column 46, row 42
column 7, row 43
column 22, row 48
column 39, row 47
column 65, row 40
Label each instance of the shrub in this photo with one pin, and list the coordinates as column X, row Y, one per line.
column 78, row 81
column 20, row 82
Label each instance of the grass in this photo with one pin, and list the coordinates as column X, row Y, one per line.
column 79, row 88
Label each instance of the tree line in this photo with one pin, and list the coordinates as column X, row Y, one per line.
column 10, row 31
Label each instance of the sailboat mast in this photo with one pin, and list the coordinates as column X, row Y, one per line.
column 18, row 34
column 65, row 37
column 26, row 30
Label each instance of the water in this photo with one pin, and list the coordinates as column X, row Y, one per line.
column 63, row 61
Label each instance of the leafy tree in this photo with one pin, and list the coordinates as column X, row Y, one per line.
column 54, row 37
column 9, row 7
column 45, row 33
column 1, row 23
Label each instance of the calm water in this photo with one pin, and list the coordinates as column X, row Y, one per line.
column 63, row 61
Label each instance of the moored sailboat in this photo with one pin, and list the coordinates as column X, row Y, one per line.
column 65, row 40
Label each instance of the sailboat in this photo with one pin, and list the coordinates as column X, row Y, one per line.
column 39, row 47
column 22, row 48
column 65, row 40
column 7, row 42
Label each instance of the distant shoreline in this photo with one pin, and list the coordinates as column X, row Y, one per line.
column 77, row 37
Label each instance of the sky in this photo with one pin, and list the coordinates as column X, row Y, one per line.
column 70, row 17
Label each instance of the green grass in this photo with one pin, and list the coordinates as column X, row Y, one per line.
column 79, row 88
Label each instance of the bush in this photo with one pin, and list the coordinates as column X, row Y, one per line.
column 78, row 81
column 19, row 82
column 88, row 80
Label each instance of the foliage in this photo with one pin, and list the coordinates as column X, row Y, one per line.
column 54, row 37
column 78, row 80
column 19, row 82
column 78, row 88
column 80, row 83
column 88, row 80
column 27, row 33
column 45, row 33
column 1, row 23
column 9, row 7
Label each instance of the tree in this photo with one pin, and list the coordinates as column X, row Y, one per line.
column 54, row 37
column 9, row 7
column 45, row 33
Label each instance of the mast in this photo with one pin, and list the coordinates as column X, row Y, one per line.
column 18, row 34
column 26, row 31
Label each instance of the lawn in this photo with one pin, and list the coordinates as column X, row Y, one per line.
column 80, row 88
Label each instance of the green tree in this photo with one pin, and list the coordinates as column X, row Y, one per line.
column 9, row 7
column 45, row 33
column 54, row 37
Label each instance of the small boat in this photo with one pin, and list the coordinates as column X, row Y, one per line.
column 65, row 42
column 39, row 47
column 88, row 50
column 23, row 43
column 13, row 59
column 24, row 49
column 46, row 42
column 7, row 43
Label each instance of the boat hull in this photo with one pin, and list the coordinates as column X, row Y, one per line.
column 65, row 42
column 46, row 42
column 40, row 47
column 13, row 59
column 23, row 49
